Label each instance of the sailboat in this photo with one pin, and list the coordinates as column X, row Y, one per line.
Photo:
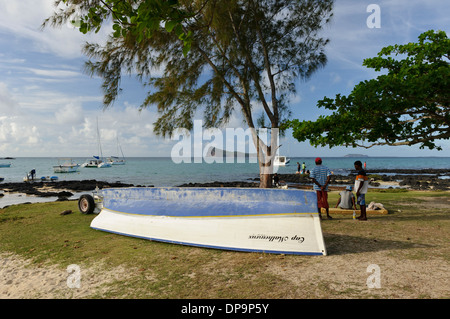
column 98, row 160
column 115, row 160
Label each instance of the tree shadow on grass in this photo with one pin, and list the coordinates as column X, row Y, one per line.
column 338, row 244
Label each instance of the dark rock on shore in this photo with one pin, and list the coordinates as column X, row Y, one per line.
column 427, row 179
column 424, row 179
column 62, row 189
column 221, row 184
column 410, row 171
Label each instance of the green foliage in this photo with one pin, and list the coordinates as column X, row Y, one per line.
column 138, row 19
column 408, row 105
column 214, row 54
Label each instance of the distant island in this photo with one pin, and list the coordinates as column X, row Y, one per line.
column 217, row 152
column 356, row 155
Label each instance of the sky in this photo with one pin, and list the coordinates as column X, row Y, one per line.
column 50, row 108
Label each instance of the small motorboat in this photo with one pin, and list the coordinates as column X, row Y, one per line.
column 66, row 166
column 281, row 161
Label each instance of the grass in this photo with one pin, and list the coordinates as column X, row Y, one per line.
column 415, row 231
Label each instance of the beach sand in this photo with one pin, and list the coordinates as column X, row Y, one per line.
column 20, row 279
column 337, row 273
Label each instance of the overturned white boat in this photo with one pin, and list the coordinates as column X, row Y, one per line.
column 242, row 219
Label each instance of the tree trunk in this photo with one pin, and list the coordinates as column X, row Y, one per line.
column 266, row 155
column 265, row 180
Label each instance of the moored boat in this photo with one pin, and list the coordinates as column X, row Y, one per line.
column 95, row 162
column 98, row 160
column 31, row 179
column 241, row 219
column 66, row 166
column 114, row 160
column 281, row 161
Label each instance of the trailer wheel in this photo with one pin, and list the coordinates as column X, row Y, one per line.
column 86, row 204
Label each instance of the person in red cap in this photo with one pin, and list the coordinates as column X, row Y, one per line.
column 321, row 176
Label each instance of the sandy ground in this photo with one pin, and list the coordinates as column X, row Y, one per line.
column 19, row 279
column 356, row 276
column 339, row 275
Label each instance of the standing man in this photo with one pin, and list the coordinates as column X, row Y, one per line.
column 361, row 187
column 321, row 176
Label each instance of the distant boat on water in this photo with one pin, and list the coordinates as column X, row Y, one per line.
column 115, row 160
column 356, row 155
column 30, row 178
column 281, row 161
column 97, row 161
column 66, row 166
column 5, row 164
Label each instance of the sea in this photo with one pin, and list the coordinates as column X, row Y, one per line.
column 165, row 172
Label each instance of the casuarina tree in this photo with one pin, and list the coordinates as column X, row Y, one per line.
column 216, row 57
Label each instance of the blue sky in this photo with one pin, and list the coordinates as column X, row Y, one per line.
column 48, row 107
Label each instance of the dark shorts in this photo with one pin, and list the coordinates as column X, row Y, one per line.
column 322, row 199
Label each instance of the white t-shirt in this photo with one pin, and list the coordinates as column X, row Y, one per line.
column 361, row 177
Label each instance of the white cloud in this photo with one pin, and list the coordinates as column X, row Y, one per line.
column 71, row 114
column 8, row 105
column 335, row 78
column 23, row 19
column 55, row 73
column 18, row 131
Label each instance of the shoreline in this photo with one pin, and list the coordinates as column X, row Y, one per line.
column 22, row 193
column 420, row 179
